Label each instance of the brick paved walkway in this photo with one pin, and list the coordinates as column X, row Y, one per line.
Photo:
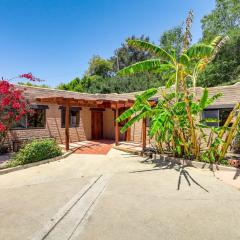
column 92, row 147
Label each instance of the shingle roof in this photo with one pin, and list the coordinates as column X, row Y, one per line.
column 231, row 94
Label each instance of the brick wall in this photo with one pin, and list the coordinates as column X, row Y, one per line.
column 53, row 127
column 83, row 132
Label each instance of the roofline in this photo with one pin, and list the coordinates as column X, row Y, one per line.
column 106, row 94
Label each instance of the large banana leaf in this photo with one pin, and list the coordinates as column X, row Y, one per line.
column 199, row 51
column 184, row 59
column 155, row 50
column 139, row 115
column 146, row 95
column 219, row 41
column 204, row 99
column 142, row 66
column 131, row 122
column 140, row 104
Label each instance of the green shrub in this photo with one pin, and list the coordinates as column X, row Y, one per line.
column 36, row 150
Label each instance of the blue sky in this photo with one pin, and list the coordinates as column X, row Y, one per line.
column 54, row 39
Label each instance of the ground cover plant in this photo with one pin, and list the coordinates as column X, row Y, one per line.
column 35, row 151
column 176, row 123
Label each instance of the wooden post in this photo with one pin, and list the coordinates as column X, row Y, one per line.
column 67, row 128
column 144, row 133
column 128, row 133
column 116, row 127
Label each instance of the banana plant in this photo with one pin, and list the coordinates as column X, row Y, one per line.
column 169, row 122
column 175, row 118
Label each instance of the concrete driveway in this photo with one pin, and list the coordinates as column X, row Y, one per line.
column 116, row 196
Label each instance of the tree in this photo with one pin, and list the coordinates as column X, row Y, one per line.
column 127, row 55
column 116, row 84
column 100, row 67
column 223, row 19
column 172, row 39
column 74, row 85
column 225, row 68
column 13, row 107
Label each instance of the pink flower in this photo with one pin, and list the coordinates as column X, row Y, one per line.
column 30, row 77
column 5, row 102
column 16, row 105
column 17, row 118
column 5, row 87
column 2, row 127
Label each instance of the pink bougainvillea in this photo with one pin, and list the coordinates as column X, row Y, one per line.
column 13, row 105
column 30, row 77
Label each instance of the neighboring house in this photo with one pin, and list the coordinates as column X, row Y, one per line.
column 73, row 117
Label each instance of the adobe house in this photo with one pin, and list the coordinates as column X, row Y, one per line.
column 73, row 117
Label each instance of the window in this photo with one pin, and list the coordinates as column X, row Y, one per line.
column 211, row 114
column 35, row 119
column 220, row 115
column 223, row 115
column 74, row 117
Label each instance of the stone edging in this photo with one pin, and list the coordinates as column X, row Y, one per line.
column 181, row 161
column 29, row 165
column 190, row 163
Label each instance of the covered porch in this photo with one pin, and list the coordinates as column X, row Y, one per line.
column 98, row 107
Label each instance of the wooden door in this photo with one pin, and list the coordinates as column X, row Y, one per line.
column 97, row 125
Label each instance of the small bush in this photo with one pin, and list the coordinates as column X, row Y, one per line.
column 35, row 151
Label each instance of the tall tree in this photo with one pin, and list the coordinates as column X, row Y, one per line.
column 172, row 39
column 127, row 55
column 100, row 67
column 225, row 68
column 223, row 19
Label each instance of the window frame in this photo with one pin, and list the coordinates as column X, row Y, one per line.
column 34, row 107
column 63, row 116
column 219, row 123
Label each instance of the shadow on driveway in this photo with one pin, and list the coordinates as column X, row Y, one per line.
column 164, row 165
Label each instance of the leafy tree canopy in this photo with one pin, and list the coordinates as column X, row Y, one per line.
column 100, row 67
column 127, row 55
column 101, row 76
column 223, row 19
column 172, row 39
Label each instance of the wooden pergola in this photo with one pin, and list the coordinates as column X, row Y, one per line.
column 114, row 104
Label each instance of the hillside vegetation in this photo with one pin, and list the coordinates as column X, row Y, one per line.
column 101, row 77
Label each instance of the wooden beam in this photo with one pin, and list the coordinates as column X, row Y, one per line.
column 67, row 128
column 116, row 127
column 144, row 133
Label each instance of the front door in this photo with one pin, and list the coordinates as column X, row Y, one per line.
column 97, row 125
